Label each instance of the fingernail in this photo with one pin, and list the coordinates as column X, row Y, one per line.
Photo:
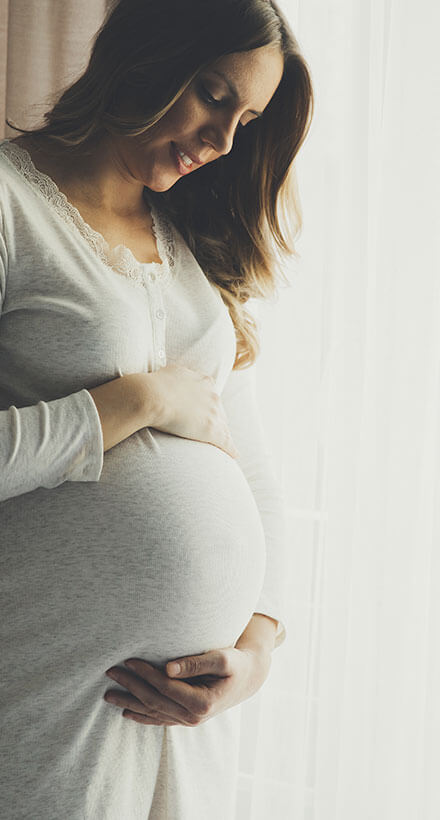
column 174, row 669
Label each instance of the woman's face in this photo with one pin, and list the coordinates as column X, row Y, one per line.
column 203, row 122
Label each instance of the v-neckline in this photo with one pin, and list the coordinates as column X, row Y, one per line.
column 120, row 258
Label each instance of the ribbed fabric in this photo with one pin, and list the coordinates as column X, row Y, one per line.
column 159, row 548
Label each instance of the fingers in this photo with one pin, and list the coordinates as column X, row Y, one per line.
column 156, row 691
column 147, row 720
column 134, row 708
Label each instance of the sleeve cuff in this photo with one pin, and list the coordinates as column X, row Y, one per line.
column 281, row 633
column 89, row 462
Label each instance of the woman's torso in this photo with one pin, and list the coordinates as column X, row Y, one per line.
column 171, row 521
column 164, row 556
column 134, row 232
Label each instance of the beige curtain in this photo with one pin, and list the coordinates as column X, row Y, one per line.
column 44, row 45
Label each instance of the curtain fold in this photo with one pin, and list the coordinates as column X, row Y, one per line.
column 44, row 45
column 4, row 9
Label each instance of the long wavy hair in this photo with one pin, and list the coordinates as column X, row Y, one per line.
column 241, row 214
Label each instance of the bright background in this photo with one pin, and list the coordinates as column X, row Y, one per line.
column 347, row 726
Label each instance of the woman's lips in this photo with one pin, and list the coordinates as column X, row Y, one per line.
column 182, row 169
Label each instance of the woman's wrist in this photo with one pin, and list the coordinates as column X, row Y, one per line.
column 144, row 399
column 125, row 405
column 259, row 634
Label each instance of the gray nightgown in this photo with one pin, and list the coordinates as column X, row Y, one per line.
column 159, row 548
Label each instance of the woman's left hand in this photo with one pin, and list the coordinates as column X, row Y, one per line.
column 226, row 677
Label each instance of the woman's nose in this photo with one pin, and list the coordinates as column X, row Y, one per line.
column 221, row 135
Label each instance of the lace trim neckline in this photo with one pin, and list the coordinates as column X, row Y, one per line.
column 120, row 258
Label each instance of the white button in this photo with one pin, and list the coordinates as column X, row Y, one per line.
column 161, row 354
column 152, row 276
column 159, row 314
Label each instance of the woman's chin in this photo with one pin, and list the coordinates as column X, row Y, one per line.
column 163, row 182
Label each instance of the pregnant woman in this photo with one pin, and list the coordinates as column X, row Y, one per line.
column 140, row 517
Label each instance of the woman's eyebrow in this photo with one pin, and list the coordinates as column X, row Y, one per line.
column 233, row 89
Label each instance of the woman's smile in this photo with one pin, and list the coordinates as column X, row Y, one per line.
column 183, row 164
column 180, row 165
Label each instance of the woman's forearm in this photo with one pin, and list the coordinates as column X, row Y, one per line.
column 125, row 405
column 259, row 633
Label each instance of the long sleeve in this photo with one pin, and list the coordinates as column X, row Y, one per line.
column 50, row 442
column 255, row 460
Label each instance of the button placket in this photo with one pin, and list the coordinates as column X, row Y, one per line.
column 158, row 317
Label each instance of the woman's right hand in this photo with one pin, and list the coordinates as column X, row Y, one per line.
column 188, row 405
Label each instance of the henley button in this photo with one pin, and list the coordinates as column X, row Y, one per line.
column 159, row 314
column 161, row 354
column 152, row 277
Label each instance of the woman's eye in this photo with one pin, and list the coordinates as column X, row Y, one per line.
column 208, row 97
column 213, row 101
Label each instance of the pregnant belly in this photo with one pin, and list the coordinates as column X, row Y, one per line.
column 164, row 556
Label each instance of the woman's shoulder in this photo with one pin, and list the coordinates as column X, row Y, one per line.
column 23, row 162
column 16, row 183
column 11, row 160
column 33, row 148
column 6, row 170
column 9, row 156
column 21, row 142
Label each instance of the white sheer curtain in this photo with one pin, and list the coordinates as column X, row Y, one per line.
column 348, row 723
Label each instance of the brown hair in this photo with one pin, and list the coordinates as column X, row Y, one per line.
column 144, row 56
